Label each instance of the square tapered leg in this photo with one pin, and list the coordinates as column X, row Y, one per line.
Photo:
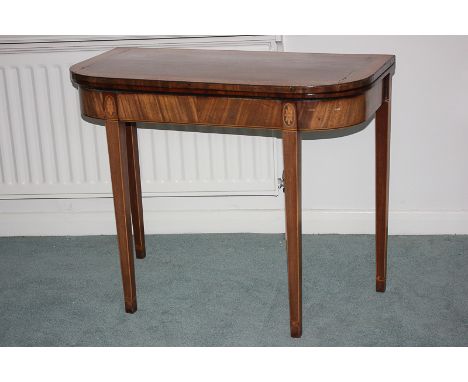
column 117, row 147
column 292, row 189
column 135, row 190
column 382, row 159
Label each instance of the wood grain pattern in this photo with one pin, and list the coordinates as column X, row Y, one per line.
column 339, row 112
column 292, row 189
column 230, row 73
column 92, row 103
column 218, row 111
column 117, row 147
column 382, row 173
column 236, row 112
column 135, row 190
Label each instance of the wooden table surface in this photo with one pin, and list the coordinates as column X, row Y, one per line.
column 229, row 72
column 290, row 92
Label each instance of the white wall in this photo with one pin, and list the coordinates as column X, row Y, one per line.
column 429, row 144
column 429, row 185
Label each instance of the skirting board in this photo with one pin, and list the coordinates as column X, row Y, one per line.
column 218, row 221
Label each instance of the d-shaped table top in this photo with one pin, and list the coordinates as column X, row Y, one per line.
column 232, row 73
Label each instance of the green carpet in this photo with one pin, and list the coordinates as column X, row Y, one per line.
column 231, row 290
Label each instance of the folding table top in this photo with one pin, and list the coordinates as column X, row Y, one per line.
column 231, row 72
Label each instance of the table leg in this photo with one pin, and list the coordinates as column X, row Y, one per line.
column 292, row 189
column 135, row 190
column 382, row 157
column 117, row 146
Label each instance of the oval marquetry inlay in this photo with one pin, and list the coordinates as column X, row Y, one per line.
column 289, row 115
column 110, row 107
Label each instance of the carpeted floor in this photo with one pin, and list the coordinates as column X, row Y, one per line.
column 231, row 290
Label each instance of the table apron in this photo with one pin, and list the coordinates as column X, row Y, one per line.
column 321, row 114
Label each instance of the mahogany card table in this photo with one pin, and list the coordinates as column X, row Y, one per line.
column 294, row 93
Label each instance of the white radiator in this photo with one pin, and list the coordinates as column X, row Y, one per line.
column 48, row 151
